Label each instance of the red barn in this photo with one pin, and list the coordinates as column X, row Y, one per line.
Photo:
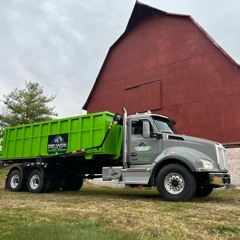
column 168, row 64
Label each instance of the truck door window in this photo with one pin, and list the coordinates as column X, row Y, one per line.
column 137, row 127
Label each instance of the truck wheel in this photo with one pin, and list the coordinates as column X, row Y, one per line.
column 203, row 191
column 72, row 184
column 15, row 181
column 176, row 183
column 35, row 182
column 77, row 185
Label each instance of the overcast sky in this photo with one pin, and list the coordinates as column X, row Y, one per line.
column 62, row 43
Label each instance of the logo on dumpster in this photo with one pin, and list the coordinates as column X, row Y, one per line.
column 57, row 143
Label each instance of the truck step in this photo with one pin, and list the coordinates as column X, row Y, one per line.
column 135, row 176
column 128, row 175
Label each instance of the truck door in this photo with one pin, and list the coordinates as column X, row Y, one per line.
column 142, row 150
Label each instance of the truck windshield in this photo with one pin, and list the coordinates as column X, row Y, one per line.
column 164, row 125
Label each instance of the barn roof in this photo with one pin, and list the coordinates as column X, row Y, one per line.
column 141, row 11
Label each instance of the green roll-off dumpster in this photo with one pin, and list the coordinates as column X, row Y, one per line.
column 60, row 136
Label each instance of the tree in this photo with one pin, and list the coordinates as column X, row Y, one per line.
column 27, row 105
column 4, row 113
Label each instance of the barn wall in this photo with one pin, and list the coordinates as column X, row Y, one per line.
column 168, row 65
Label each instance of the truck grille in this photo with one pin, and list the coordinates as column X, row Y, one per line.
column 222, row 157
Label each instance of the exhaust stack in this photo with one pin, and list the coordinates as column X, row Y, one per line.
column 124, row 150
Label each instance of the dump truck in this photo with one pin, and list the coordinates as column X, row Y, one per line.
column 141, row 149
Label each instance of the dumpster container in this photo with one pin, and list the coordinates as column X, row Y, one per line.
column 56, row 137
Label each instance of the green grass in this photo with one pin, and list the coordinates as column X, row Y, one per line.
column 104, row 213
column 58, row 230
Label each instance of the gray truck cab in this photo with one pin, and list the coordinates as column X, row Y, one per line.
column 179, row 166
column 146, row 133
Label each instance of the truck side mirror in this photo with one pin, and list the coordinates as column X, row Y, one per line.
column 146, row 129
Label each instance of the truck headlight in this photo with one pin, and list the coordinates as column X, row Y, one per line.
column 207, row 164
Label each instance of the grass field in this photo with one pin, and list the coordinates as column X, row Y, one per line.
column 104, row 213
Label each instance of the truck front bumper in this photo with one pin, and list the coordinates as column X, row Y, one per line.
column 219, row 179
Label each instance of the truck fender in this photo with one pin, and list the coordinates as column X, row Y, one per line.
column 187, row 157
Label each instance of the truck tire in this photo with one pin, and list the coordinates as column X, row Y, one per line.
column 203, row 191
column 176, row 183
column 77, row 185
column 15, row 181
column 72, row 184
column 36, row 183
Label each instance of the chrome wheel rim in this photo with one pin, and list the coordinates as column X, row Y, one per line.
column 34, row 182
column 14, row 181
column 174, row 183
